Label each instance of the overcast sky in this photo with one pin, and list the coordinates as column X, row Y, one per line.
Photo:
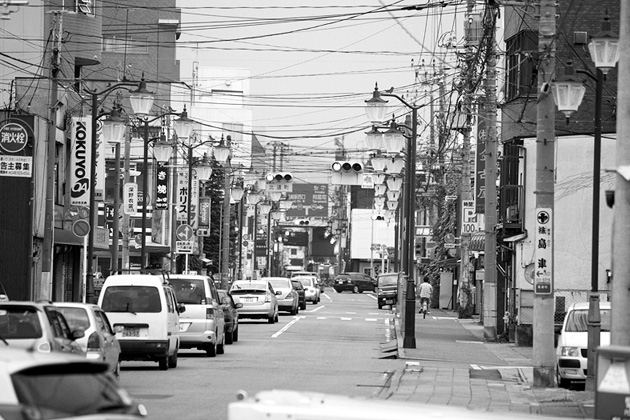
column 314, row 63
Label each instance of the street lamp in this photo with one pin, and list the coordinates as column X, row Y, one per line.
column 376, row 111
column 604, row 50
column 140, row 105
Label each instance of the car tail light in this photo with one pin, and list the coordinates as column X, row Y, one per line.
column 267, row 298
column 94, row 342
column 209, row 313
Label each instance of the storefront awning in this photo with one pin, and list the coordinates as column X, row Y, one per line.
column 477, row 242
column 66, row 237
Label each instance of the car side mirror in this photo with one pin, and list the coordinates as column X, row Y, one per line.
column 278, row 293
column 181, row 308
column 238, row 305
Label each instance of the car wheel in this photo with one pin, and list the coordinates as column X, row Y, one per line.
column 380, row 306
column 211, row 350
column 271, row 319
column 562, row 383
column 172, row 360
column 235, row 335
column 355, row 289
column 229, row 337
column 303, row 306
column 163, row 363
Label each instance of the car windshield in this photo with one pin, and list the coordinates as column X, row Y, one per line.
column 19, row 322
column 577, row 321
column 306, row 281
column 132, row 299
column 280, row 284
column 296, row 284
column 69, row 391
column 189, row 291
column 77, row 318
column 388, row 280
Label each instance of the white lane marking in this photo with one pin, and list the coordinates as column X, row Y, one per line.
column 321, row 317
column 475, row 367
column 372, row 296
column 316, row 309
column 346, row 319
column 351, row 313
column 327, row 297
column 286, row 327
column 371, row 319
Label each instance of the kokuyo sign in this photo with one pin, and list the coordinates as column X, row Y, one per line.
column 80, row 159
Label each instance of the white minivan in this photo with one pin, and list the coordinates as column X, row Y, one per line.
column 203, row 325
column 144, row 312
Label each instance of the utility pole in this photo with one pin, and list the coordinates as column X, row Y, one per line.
column 225, row 246
column 44, row 291
column 619, row 333
column 490, row 209
column 466, row 187
column 544, row 357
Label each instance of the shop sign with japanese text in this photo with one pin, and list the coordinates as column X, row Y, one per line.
column 543, row 265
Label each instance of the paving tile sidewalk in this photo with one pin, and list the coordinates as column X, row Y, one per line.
column 505, row 388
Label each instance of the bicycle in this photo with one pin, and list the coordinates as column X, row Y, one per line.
column 424, row 307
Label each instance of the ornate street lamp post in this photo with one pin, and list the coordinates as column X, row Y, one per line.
column 376, row 111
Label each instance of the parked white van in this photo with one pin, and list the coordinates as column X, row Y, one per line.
column 203, row 325
column 144, row 312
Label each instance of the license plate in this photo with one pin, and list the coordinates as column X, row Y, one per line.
column 389, row 302
column 131, row 332
column 250, row 299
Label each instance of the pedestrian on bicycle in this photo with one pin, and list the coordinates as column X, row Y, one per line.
column 425, row 293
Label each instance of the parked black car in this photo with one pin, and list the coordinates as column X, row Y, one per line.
column 299, row 288
column 230, row 313
column 387, row 289
column 354, row 282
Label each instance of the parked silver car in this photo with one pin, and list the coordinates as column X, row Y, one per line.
column 37, row 326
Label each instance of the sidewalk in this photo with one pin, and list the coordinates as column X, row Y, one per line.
column 501, row 379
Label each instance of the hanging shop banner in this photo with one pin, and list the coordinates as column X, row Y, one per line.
column 187, row 202
column 204, row 217
column 161, row 188
column 80, row 158
column 14, row 159
column 543, row 268
column 99, row 169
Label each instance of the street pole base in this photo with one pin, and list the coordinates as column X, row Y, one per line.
column 409, row 342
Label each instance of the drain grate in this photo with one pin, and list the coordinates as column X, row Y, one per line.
column 487, row 374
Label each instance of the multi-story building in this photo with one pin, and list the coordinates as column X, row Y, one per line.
column 59, row 55
column 573, row 172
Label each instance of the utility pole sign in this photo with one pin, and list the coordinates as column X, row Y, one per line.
column 469, row 217
column 543, row 279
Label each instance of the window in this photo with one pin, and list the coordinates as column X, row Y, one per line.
column 522, row 52
column 122, row 45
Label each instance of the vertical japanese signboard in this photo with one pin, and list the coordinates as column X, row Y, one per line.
column 543, row 280
column 187, row 201
column 80, row 158
column 480, row 168
column 130, row 198
column 204, row 217
column 469, row 217
column 161, row 188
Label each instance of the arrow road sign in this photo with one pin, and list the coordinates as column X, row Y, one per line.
column 184, row 232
